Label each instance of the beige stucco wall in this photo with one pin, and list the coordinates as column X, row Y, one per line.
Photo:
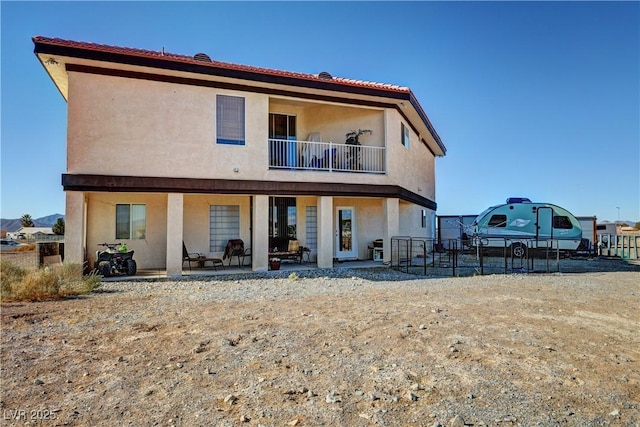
column 136, row 127
column 122, row 126
column 301, row 216
column 412, row 168
column 196, row 221
column 334, row 121
column 369, row 217
column 151, row 252
column 175, row 234
column 101, row 226
column 411, row 221
column 74, row 226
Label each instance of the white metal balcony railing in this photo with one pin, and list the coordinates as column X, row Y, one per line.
column 325, row 156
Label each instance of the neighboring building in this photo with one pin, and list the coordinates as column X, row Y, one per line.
column 607, row 228
column 30, row 233
column 166, row 148
column 455, row 227
column 589, row 236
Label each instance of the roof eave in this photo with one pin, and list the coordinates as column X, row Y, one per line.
column 43, row 47
column 427, row 122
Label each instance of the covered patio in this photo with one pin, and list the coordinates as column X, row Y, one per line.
column 286, row 268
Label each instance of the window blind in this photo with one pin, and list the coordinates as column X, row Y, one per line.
column 230, row 120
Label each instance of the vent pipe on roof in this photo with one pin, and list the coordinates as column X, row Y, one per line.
column 325, row 75
column 202, row 57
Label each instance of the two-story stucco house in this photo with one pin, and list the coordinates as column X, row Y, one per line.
column 164, row 149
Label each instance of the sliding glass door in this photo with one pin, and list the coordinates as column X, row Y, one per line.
column 282, row 129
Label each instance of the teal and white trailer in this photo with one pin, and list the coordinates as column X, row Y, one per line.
column 520, row 224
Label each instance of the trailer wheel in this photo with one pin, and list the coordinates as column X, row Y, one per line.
column 518, row 250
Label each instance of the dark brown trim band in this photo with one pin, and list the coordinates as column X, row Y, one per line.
column 220, row 85
column 146, row 184
column 167, row 63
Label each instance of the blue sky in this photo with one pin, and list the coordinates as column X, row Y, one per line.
column 532, row 99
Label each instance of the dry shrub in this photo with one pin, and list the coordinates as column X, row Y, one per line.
column 26, row 248
column 74, row 283
column 46, row 283
column 10, row 274
column 39, row 285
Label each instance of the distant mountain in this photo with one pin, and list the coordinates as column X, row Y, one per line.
column 624, row 223
column 47, row 221
column 14, row 224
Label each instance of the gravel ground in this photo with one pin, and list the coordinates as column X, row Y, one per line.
column 337, row 347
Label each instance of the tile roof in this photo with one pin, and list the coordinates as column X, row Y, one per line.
column 162, row 55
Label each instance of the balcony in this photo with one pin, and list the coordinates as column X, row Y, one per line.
column 325, row 156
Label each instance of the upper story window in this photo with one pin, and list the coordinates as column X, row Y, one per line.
column 405, row 136
column 131, row 221
column 230, row 120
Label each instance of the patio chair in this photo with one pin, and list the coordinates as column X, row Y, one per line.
column 201, row 259
column 328, row 159
column 310, row 152
column 235, row 247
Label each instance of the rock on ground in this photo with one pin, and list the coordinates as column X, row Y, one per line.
column 371, row 348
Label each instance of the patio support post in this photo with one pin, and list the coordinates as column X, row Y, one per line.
column 325, row 232
column 391, row 225
column 175, row 219
column 260, row 244
column 74, row 241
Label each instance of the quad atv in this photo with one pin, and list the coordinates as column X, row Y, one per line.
column 115, row 260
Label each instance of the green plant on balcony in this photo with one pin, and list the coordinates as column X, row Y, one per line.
column 353, row 137
column 353, row 155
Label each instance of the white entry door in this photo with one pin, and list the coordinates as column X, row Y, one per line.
column 346, row 233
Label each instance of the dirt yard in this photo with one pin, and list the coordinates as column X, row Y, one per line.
column 370, row 348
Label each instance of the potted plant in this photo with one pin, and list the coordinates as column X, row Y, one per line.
column 274, row 263
column 353, row 137
column 353, row 155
